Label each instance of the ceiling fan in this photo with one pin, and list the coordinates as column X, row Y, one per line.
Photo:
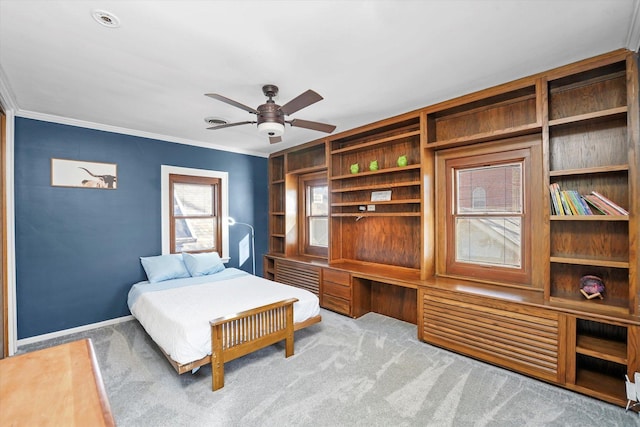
column 270, row 116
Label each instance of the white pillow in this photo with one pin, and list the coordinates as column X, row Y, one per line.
column 164, row 267
column 203, row 264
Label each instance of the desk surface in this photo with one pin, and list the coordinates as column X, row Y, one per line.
column 58, row 386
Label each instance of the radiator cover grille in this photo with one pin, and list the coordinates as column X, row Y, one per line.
column 527, row 341
column 299, row 275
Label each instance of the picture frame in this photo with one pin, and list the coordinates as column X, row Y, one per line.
column 381, row 196
column 84, row 174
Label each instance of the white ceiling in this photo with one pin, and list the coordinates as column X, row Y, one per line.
column 368, row 59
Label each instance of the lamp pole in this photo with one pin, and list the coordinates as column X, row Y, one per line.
column 233, row 222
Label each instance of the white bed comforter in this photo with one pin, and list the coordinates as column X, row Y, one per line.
column 177, row 318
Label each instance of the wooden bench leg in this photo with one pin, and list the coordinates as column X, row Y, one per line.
column 289, row 335
column 217, row 361
column 289, row 344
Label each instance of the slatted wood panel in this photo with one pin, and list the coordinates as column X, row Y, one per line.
column 297, row 274
column 239, row 334
column 524, row 341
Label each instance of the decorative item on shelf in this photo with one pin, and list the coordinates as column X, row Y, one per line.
column 354, row 168
column 402, row 161
column 373, row 166
column 591, row 287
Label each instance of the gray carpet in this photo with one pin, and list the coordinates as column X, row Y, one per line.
column 370, row 371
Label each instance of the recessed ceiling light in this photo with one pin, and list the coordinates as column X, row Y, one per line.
column 215, row 121
column 105, row 18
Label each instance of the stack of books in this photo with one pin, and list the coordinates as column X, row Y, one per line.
column 570, row 202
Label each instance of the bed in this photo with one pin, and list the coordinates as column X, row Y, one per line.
column 198, row 314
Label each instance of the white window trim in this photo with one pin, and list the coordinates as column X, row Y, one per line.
column 167, row 170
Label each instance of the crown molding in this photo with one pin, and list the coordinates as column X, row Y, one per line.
column 7, row 98
column 633, row 37
column 125, row 131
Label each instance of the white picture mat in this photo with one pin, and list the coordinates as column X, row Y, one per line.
column 69, row 173
column 381, row 196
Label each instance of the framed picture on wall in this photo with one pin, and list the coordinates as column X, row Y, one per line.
column 83, row 174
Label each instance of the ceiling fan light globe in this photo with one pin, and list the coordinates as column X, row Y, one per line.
column 271, row 129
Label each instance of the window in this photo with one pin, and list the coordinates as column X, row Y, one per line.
column 485, row 209
column 194, row 211
column 314, row 223
column 489, row 232
column 195, row 215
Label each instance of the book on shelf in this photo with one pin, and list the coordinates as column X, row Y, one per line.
column 556, row 205
column 581, row 206
column 565, row 204
column 598, row 205
column 570, row 202
column 619, row 209
column 584, row 204
column 574, row 206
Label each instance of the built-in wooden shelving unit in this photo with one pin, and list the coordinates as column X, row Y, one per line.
column 386, row 253
column 354, row 210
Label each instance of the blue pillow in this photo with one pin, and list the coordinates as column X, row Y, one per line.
column 203, row 264
column 164, row 267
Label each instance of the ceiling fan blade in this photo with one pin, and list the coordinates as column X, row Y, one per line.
column 228, row 125
column 231, row 102
column 322, row 127
column 274, row 139
column 299, row 102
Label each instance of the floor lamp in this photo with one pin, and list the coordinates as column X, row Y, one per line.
column 233, row 222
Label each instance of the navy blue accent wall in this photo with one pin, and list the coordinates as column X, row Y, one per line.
column 77, row 249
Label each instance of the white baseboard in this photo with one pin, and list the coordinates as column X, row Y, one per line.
column 64, row 332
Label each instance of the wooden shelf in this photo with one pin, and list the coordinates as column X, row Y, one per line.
column 310, row 169
column 600, row 385
column 487, row 136
column 306, row 158
column 365, row 145
column 277, row 181
column 589, row 217
column 375, row 186
column 607, row 306
column 378, row 172
column 613, row 351
column 612, row 112
column 369, row 202
column 278, row 213
column 378, row 214
column 598, row 262
column 589, row 171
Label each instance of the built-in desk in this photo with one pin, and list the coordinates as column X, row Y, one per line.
column 378, row 289
column 56, row 386
column 351, row 288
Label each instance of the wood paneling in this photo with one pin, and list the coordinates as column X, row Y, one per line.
column 394, row 301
